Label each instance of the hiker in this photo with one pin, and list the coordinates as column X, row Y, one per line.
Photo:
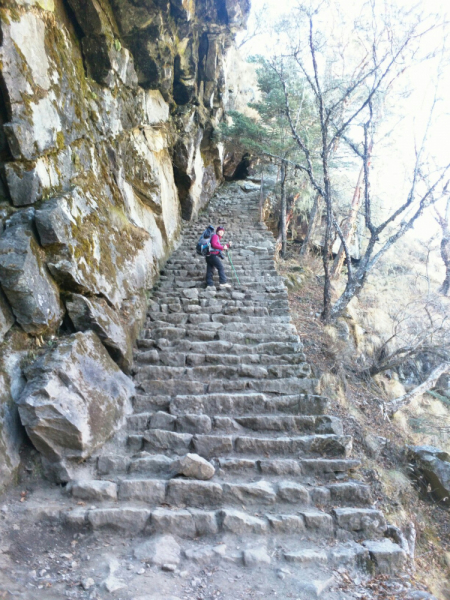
column 214, row 259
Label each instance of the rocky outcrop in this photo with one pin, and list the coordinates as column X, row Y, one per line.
column 74, row 400
column 107, row 118
column 95, row 314
column 12, row 383
column 33, row 295
column 432, row 465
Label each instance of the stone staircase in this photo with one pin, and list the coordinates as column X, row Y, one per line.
column 229, row 441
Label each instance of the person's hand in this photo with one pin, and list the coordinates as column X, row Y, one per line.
column 229, row 244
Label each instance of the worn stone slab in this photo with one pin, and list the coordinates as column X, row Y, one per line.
column 177, row 522
column 151, row 491
column 94, row 490
column 286, row 523
column 158, row 439
column 256, row 556
column 160, row 550
column 293, row 493
column 234, row 521
column 205, row 521
column 388, row 558
column 131, row 520
column 261, row 492
column 193, row 493
column 209, row 446
column 317, row 521
column 307, row 557
column 365, row 521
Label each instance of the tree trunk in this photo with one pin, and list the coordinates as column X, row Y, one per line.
column 445, row 254
column 313, row 220
column 428, row 384
column 349, row 229
column 261, row 200
column 283, row 210
column 326, row 313
column 289, row 216
column 352, row 289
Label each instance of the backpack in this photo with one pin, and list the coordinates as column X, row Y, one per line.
column 204, row 243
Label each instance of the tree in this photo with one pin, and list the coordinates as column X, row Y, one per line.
column 394, row 405
column 419, row 328
column 270, row 138
column 353, row 84
column 444, row 222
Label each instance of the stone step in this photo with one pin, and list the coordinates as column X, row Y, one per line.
column 251, row 445
column 309, row 469
column 162, row 321
column 213, row 372
column 268, row 302
column 258, row 282
column 265, row 292
column 235, row 404
column 242, row 261
column 174, row 387
column 195, row 281
column 264, row 264
column 193, row 423
column 228, row 318
column 180, row 359
column 305, row 468
column 228, row 313
column 249, row 403
column 221, row 347
column 241, row 269
column 206, row 334
column 220, row 373
column 363, row 524
column 182, row 493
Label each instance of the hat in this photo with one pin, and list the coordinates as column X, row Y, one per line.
column 219, row 229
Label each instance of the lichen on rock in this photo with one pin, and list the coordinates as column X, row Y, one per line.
column 107, row 120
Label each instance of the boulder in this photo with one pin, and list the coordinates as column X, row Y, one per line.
column 434, row 465
column 32, row 293
column 95, row 314
column 193, row 466
column 74, row 400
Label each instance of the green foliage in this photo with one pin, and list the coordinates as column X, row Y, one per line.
column 245, row 132
column 270, row 133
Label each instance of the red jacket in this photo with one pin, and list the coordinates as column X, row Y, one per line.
column 215, row 243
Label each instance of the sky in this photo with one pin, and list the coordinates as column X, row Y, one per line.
column 394, row 157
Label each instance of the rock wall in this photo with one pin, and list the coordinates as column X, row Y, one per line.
column 107, row 140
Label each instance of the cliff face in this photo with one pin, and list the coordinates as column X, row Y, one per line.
column 107, row 119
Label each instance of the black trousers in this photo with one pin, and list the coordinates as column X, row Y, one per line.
column 214, row 262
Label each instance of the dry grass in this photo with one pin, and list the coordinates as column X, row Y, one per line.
column 380, row 443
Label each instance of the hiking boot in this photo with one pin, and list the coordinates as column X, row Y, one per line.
column 225, row 285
